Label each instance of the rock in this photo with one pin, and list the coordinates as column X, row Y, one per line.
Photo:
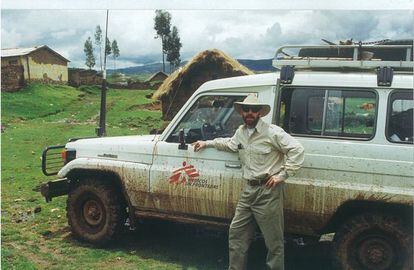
column 327, row 237
column 46, row 233
column 38, row 209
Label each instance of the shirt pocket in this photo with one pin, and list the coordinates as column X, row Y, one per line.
column 261, row 154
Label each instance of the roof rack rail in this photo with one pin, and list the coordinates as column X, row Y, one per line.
column 359, row 56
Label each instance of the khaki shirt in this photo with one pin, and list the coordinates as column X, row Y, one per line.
column 268, row 151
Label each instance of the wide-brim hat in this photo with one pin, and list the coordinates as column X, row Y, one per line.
column 251, row 100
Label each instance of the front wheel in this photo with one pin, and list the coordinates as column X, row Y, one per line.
column 95, row 211
column 373, row 241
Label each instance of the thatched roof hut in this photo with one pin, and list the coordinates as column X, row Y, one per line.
column 205, row 66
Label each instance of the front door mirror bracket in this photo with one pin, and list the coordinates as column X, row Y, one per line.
column 181, row 140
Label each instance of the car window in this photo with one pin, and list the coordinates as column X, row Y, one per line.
column 209, row 117
column 400, row 117
column 328, row 112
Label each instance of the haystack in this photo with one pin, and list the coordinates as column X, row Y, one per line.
column 205, row 66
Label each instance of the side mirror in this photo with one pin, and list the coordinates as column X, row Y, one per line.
column 181, row 140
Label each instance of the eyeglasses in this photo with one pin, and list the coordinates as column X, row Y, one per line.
column 254, row 109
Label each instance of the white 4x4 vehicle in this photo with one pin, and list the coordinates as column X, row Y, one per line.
column 355, row 124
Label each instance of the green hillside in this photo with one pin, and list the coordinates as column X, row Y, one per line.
column 54, row 104
column 36, row 101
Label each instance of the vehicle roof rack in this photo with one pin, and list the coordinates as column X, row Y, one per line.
column 357, row 56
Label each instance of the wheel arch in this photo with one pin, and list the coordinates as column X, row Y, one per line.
column 355, row 207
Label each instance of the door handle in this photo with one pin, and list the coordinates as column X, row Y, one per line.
column 233, row 165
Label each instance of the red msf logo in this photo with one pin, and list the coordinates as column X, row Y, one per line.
column 187, row 173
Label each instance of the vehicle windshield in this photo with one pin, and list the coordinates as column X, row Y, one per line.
column 209, row 117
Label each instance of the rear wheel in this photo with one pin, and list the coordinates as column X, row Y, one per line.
column 95, row 211
column 373, row 241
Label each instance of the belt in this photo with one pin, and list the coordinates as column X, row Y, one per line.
column 256, row 182
column 259, row 182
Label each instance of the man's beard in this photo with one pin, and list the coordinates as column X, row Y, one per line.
column 250, row 120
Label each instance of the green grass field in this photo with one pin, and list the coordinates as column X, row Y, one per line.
column 43, row 115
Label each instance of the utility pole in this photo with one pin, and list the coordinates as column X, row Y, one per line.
column 162, row 50
column 101, row 130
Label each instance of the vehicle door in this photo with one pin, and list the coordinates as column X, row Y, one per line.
column 204, row 183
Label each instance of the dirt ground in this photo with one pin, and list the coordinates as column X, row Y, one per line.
column 208, row 247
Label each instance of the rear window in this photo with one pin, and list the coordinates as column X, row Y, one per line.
column 328, row 112
column 400, row 117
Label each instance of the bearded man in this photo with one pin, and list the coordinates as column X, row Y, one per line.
column 269, row 156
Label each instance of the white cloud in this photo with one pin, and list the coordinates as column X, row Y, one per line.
column 10, row 38
column 210, row 5
column 63, row 34
column 240, row 33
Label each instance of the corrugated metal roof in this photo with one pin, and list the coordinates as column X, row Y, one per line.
column 25, row 51
column 18, row 51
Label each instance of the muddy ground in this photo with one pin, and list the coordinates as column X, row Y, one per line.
column 208, row 247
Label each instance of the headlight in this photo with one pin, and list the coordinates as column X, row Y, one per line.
column 68, row 155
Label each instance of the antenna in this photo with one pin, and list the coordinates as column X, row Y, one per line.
column 101, row 130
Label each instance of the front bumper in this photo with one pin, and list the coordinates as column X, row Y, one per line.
column 54, row 189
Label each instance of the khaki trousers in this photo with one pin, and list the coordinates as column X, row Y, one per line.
column 266, row 207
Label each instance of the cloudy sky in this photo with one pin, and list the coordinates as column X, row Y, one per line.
column 244, row 33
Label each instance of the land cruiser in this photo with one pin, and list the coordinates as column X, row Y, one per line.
column 353, row 115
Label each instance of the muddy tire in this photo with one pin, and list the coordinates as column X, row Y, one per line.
column 95, row 211
column 373, row 241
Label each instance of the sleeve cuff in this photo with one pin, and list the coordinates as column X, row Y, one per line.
column 209, row 143
column 283, row 175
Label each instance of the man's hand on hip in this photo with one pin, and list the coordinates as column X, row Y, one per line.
column 199, row 145
column 274, row 181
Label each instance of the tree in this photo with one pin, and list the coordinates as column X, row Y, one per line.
column 162, row 25
column 173, row 49
column 98, row 42
column 115, row 52
column 88, row 49
column 108, row 49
